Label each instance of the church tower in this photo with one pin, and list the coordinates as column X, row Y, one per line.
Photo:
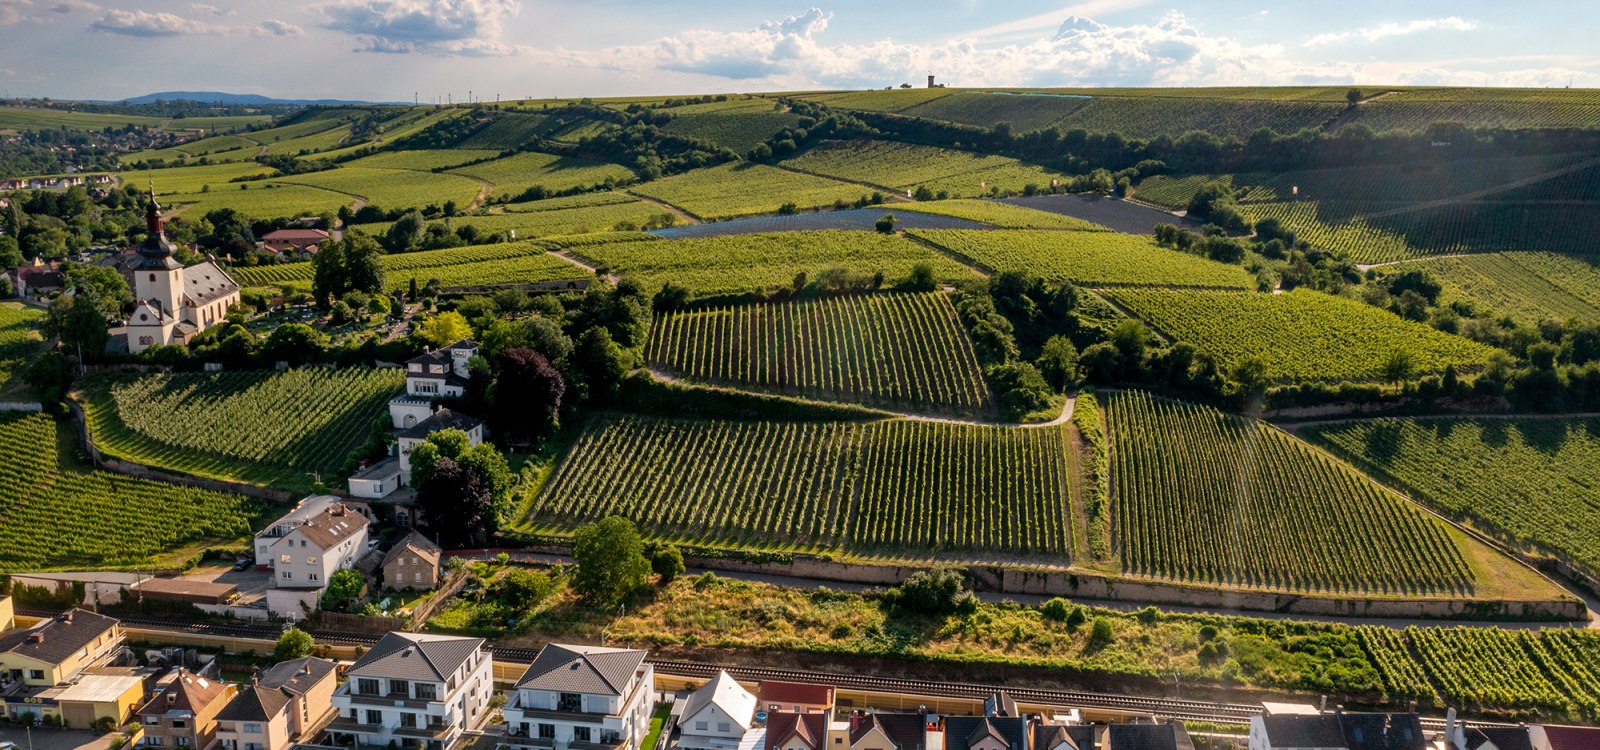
column 158, row 277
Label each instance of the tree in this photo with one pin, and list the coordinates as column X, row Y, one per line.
column 1399, row 366
column 328, row 277
column 104, row 286
column 456, row 505
column 886, row 224
column 1352, row 98
column 80, row 324
column 921, row 278
column 10, row 252
column 405, row 233
column 522, row 588
column 343, row 586
column 451, row 443
column 934, row 592
column 611, row 561
column 599, row 364
column 527, row 393
column 444, row 329
column 363, row 264
column 667, row 562
column 293, row 644
column 295, row 343
column 50, row 376
column 1251, row 376
column 1131, row 339
column 1058, row 362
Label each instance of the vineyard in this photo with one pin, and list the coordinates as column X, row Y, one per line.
column 902, row 166
column 1135, row 116
column 1301, row 335
column 1203, row 496
column 895, row 487
column 1088, row 258
column 20, row 342
column 258, row 427
column 175, row 180
column 425, row 160
column 1546, row 671
column 514, row 174
column 741, row 189
column 1409, row 111
column 740, row 125
column 1003, row 215
column 1530, row 287
column 392, row 188
column 1529, row 481
column 737, row 264
column 507, row 263
column 581, row 200
column 266, row 200
column 898, row 350
column 57, row 513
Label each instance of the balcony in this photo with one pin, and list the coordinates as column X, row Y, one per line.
column 434, row 732
column 395, row 700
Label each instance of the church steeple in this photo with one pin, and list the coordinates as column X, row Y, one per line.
column 156, row 250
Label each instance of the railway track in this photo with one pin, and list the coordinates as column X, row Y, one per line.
column 1171, row 708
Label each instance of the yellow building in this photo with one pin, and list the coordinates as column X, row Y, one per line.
column 45, row 669
column 8, row 615
column 183, row 711
column 93, row 696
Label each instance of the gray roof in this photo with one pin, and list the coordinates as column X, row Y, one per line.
column 442, row 419
column 1321, row 730
column 206, row 281
column 416, row 543
column 254, row 703
column 1505, row 738
column 961, row 731
column 296, row 675
column 416, row 656
column 55, row 640
column 582, row 669
column 1081, row 736
column 1171, row 736
column 727, row 694
column 1382, row 731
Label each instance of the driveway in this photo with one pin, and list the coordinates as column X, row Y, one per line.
column 252, row 583
column 56, row 739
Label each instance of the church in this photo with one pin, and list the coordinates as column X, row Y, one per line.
column 173, row 303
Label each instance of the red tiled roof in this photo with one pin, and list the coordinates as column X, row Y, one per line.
column 1573, row 738
column 810, row 729
column 295, row 234
column 795, row 693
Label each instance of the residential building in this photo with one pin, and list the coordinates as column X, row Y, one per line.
column 306, row 551
column 718, row 716
column 293, row 240
column 173, row 303
column 438, row 373
column 444, row 419
column 986, row 733
column 1303, row 728
column 416, row 690
column 1163, row 736
column 795, row 697
column 412, row 563
column 377, row 481
column 58, row 668
column 790, row 730
column 182, row 712
column 37, row 279
column 288, row 703
column 581, row 698
column 881, row 731
column 8, row 614
column 1066, row 737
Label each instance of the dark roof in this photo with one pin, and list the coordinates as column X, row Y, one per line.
column 254, row 703
column 443, row 419
column 906, row 731
column 206, row 282
column 582, row 669
column 1572, row 738
column 59, row 637
column 431, row 357
column 416, row 656
column 295, row 234
column 1505, row 738
column 296, row 675
column 463, row 344
column 1298, row 731
column 1000, row 704
column 1149, row 737
column 1379, row 731
column 187, row 691
column 811, row 729
column 416, row 543
column 960, row 732
column 1047, row 736
column 780, row 693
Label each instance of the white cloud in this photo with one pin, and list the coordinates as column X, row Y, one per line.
column 439, row 27
column 11, row 11
column 210, row 10
column 147, row 24
column 1393, row 29
column 274, row 27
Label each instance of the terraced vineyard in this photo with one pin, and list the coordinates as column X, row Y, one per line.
column 906, row 351
column 422, row 160
column 739, row 124
column 1530, row 287
column 712, row 266
column 20, row 342
column 55, row 512
column 1089, row 258
column 1003, row 215
column 1136, row 116
column 895, row 487
column 257, row 427
column 741, row 189
column 514, row 174
column 1203, row 496
column 1529, row 481
column 1301, row 335
column 903, row 166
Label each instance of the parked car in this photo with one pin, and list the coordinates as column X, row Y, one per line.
column 243, row 563
column 372, row 544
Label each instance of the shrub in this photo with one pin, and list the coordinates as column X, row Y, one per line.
column 934, row 592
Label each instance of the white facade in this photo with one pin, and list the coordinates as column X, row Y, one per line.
column 171, row 302
column 717, row 716
column 305, row 548
column 441, row 420
column 553, row 712
column 376, row 481
column 399, row 696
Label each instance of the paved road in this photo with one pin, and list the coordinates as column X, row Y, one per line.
column 45, row 738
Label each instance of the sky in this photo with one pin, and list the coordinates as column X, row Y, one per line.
column 427, row 50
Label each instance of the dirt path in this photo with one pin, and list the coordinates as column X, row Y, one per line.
column 570, row 258
column 485, row 187
column 975, row 266
column 683, row 215
column 1476, row 194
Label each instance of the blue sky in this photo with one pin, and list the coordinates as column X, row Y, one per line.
column 388, row 49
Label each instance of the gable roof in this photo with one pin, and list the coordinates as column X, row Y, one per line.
column 810, row 729
column 55, row 640
column 443, row 419
column 418, row 545
column 960, row 732
column 1303, row 731
column 1170, row 736
column 906, row 731
column 726, row 694
column 582, row 669
column 780, row 693
column 1076, row 736
column 294, row 234
column 332, row 526
column 186, row 692
column 416, row 656
column 1000, row 704
column 1504, row 738
column 296, row 676
column 206, row 282
column 254, row 703
column 1382, row 731
column 1572, row 738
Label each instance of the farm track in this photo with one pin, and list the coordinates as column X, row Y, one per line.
column 1176, row 708
column 975, row 266
column 570, row 258
column 687, row 217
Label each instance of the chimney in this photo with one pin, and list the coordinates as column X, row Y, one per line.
column 1450, row 728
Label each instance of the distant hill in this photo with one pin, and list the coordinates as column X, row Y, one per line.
column 227, row 98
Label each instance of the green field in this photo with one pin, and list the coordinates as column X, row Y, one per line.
column 1529, row 481
column 897, row 350
column 56, row 512
column 181, row 180
column 392, row 188
column 477, row 265
column 566, row 221
column 270, row 428
column 998, row 214
column 1301, row 335
column 581, row 200
column 20, row 342
column 514, row 174
column 895, row 487
column 423, row 160
column 904, row 166
column 741, row 189
column 739, row 124
column 261, row 200
column 21, row 118
column 1135, row 116
column 1203, row 496
column 1087, row 258
column 730, row 265
column 1530, row 287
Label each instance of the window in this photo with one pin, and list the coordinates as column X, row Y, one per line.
column 419, row 578
column 723, row 726
column 408, row 720
column 35, row 674
column 312, row 560
column 400, row 561
column 400, row 688
column 146, row 340
column 569, row 702
column 183, row 742
column 252, row 729
column 427, row 691
column 152, row 720
column 152, row 741
column 313, row 576
column 367, row 686
column 152, row 277
column 701, row 726
column 287, row 574
column 180, row 724
column 286, row 558
column 374, row 717
column 547, row 731
column 582, row 734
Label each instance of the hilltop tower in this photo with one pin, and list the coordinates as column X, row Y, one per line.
column 157, row 277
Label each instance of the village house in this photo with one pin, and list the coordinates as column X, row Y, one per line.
column 37, row 279
column 304, row 549
column 172, row 303
column 581, row 698
column 290, row 702
column 1292, row 727
column 887, row 731
column 412, row 563
column 435, row 374
column 718, row 716
column 788, row 730
column 182, row 712
column 8, row 614
column 415, row 690
column 294, row 241
column 59, row 668
column 795, row 697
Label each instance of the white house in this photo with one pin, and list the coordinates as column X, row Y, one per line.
column 305, row 548
column 417, row 690
column 718, row 716
column 444, row 419
column 441, row 373
column 581, row 698
column 173, row 303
